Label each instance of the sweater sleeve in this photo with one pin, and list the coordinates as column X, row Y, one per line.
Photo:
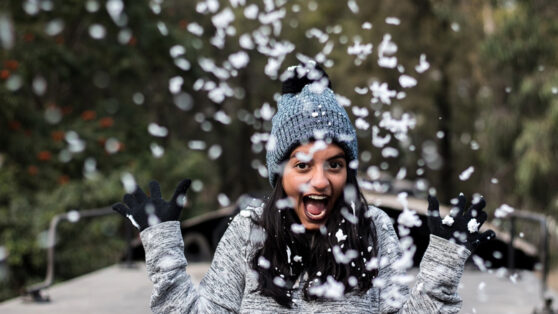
column 221, row 289
column 435, row 289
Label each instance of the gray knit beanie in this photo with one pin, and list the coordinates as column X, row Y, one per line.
column 308, row 110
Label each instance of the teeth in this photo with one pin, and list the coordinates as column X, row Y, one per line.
column 317, row 197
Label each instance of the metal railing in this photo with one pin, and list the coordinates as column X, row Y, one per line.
column 34, row 291
column 544, row 254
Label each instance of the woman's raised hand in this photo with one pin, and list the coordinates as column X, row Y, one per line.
column 461, row 226
column 144, row 211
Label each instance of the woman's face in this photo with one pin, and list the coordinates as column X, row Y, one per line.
column 314, row 178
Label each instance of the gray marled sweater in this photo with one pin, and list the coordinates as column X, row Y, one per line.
column 229, row 284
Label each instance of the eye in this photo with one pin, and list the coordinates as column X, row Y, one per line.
column 301, row 166
column 335, row 165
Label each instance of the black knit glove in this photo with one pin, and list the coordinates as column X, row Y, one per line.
column 463, row 229
column 144, row 211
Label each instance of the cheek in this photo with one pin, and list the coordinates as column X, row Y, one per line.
column 291, row 183
column 338, row 183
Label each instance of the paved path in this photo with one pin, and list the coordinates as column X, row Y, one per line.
column 492, row 293
column 122, row 290
column 110, row 290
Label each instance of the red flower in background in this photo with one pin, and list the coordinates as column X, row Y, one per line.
column 11, row 64
column 67, row 110
column 133, row 41
column 14, row 125
column 88, row 115
column 63, row 179
column 4, row 74
column 28, row 37
column 32, row 170
column 106, row 122
column 44, row 155
column 57, row 136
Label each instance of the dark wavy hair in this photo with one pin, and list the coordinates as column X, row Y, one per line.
column 315, row 247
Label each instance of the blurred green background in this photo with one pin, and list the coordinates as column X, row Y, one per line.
column 93, row 91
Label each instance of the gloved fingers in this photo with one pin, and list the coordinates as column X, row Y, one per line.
column 461, row 202
column 155, row 189
column 181, row 189
column 121, row 209
column 481, row 217
column 434, row 221
column 433, row 206
column 487, row 235
column 476, row 208
column 139, row 195
column 130, row 200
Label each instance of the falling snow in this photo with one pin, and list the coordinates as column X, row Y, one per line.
column 473, row 225
column 409, row 218
column 344, row 258
column 503, row 211
column 340, row 236
column 298, row 228
column 217, row 79
column 448, row 220
column 392, row 21
column 407, row 81
column 331, row 289
column 423, row 64
column 466, row 174
column 381, row 92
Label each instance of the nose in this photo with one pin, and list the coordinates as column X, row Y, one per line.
column 319, row 180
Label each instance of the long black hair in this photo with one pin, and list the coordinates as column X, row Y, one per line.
column 286, row 255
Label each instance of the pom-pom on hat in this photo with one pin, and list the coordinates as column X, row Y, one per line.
column 307, row 110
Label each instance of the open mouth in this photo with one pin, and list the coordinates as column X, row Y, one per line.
column 315, row 207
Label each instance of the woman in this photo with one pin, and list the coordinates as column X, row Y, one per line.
column 314, row 245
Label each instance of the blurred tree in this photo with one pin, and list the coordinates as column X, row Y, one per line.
column 519, row 103
column 86, row 99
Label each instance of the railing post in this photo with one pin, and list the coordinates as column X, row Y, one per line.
column 544, row 254
column 35, row 290
column 545, row 257
column 511, row 251
column 128, row 234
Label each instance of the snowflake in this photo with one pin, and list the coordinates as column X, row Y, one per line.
column 448, row 220
column 466, row 174
column 409, row 218
column 340, row 236
column 407, row 81
column 239, row 59
column 392, row 20
column 381, row 92
column 423, row 64
column 297, row 228
column 330, row 289
column 503, row 211
column 361, row 51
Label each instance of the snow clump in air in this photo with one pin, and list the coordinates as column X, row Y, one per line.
column 466, row 174
column 473, row 225
column 297, row 228
column 503, row 211
column 340, row 236
column 331, row 289
column 448, row 220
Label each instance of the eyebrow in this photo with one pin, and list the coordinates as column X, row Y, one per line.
column 340, row 155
